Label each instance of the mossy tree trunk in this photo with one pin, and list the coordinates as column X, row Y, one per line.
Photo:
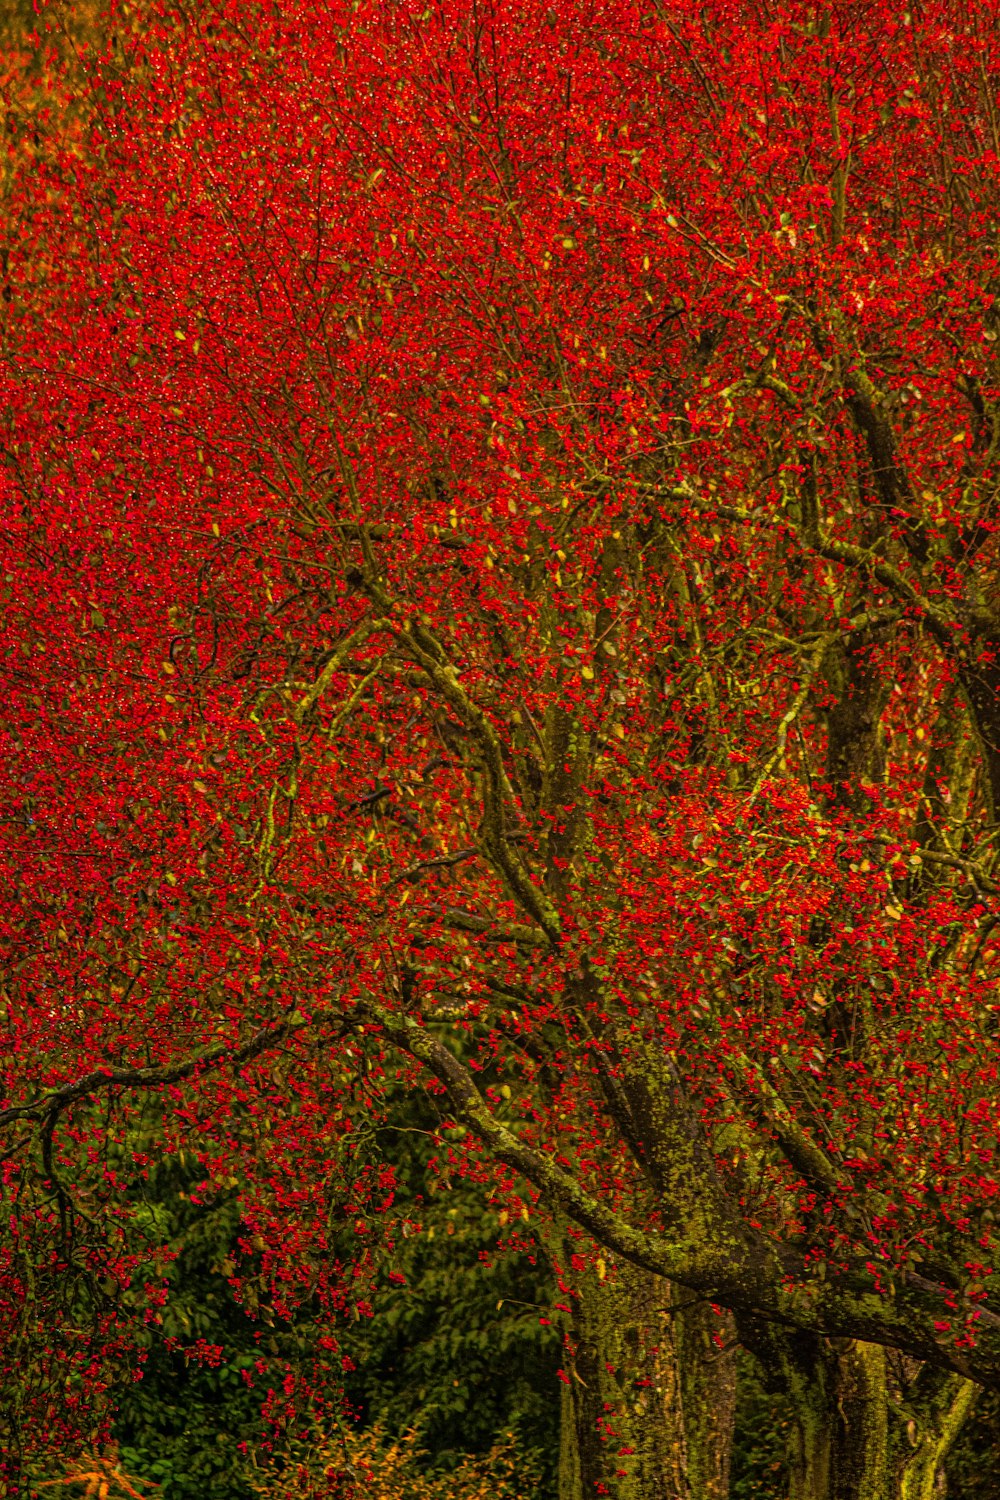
column 863, row 1425
column 649, row 1407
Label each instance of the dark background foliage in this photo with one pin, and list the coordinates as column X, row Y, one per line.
column 463, row 1352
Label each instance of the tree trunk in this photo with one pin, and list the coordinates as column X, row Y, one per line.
column 922, row 1471
column 648, row 1412
column 860, row 1463
column 863, row 1425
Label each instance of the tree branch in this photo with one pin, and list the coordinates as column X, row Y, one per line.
column 52, row 1104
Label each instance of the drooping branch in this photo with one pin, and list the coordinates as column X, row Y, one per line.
column 557, row 1186
column 100, row 1080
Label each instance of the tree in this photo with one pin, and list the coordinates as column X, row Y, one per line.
column 502, row 594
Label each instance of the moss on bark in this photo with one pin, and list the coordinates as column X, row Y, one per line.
column 649, row 1409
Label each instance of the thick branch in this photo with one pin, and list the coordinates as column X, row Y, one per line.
column 888, row 473
column 759, row 1276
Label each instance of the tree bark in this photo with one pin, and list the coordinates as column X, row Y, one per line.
column 930, row 1440
column 863, row 1425
column 860, row 1466
column 649, row 1409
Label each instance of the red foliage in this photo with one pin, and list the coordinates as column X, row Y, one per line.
column 501, row 589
